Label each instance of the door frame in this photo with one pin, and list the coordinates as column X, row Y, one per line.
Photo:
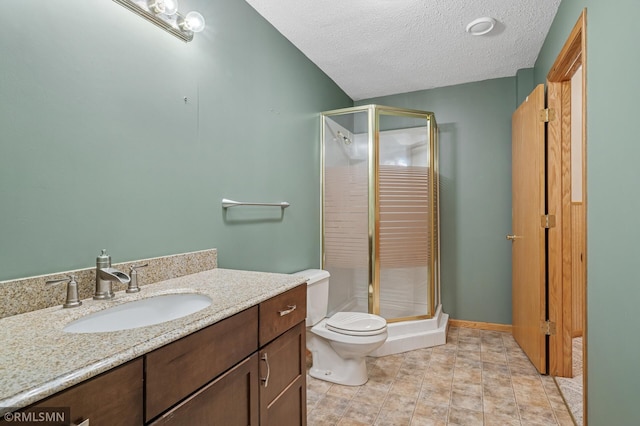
column 569, row 60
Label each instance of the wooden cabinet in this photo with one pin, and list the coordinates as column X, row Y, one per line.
column 239, row 397
column 248, row 369
column 113, row 398
column 282, row 361
column 230, row 400
column 264, row 347
column 283, row 379
column 175, row 371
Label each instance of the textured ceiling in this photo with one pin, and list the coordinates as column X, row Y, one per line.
column 380, row 47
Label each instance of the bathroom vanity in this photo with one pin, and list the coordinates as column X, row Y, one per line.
column 246, row 368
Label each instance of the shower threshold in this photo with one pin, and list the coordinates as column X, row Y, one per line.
column 407, row 336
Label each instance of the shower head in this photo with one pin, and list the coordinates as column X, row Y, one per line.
column 345, row 139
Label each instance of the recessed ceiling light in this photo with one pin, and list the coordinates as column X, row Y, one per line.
column 481, row 26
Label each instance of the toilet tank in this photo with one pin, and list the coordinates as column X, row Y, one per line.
column 317, row 294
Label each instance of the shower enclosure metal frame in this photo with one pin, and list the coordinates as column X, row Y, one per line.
column 374, row 112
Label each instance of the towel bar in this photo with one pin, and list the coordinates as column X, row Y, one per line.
column 226, row 203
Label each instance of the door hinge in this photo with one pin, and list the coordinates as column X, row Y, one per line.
column 547, row 114
column 548, row 328
column 548, row 221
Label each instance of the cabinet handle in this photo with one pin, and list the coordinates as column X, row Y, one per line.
column 265, row 380
column 287, row 311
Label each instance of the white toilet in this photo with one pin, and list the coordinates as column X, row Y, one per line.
column 339, row 344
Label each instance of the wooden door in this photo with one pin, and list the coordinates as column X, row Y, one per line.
column 528, row 238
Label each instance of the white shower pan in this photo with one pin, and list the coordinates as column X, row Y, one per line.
column 407, row 336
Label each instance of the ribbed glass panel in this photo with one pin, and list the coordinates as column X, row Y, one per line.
column 380, row 224
column 404, row 219
column 346, row 211
column 404, row 236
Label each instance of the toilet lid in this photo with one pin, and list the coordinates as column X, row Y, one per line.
column 356, row 323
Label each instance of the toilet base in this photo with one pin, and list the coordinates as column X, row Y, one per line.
column 331, row 367
column 349, row 372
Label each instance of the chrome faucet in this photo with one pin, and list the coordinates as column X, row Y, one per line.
column 106, row 276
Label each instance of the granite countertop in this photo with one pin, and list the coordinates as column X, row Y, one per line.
column 38, row 359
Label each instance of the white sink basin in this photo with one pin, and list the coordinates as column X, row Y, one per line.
column 140, row 313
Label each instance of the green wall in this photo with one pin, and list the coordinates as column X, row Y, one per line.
column 475, row 164
column 98, row 148
column 525, row 84
column 613, row 177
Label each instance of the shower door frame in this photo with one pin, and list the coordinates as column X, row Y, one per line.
column 373, row 128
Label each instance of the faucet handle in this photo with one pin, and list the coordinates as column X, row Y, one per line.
column 72, row 300
column 61, row 280
column 133, row 284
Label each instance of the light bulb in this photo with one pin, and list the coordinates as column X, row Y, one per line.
column 170, row 7
column 193, row 21
column 166, row 7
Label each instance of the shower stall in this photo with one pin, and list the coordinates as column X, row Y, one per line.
column 380, row 220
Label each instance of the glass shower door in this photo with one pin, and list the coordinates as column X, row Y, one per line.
column 346, row 146
column 404, row 217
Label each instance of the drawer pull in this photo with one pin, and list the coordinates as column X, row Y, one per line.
column 290, row 309
column 265, row 380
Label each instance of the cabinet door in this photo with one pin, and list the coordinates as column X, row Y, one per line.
column 113, row 398
column 283, row 380
column 230, row 400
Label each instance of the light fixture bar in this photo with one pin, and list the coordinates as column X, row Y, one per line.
column 169, row 24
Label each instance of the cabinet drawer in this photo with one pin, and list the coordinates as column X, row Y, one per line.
column 113, row 398
column 282, row 312
column 230, row 400
column 175, row 371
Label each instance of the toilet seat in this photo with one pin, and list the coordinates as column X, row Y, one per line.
column 356, row 324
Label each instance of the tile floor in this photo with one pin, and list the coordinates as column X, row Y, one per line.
column 571, row 388
column 477, row 378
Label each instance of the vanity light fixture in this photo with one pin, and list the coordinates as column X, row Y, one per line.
column 164, row 13
column 481, row 26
